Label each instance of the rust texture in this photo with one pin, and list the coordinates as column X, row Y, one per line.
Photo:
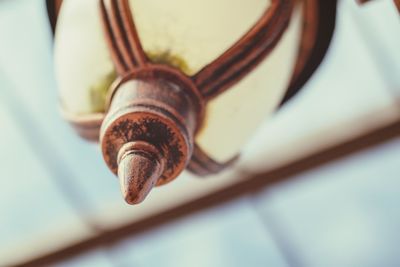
column 143, row 179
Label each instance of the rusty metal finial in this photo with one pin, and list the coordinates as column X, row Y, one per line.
column 140, row 165
column 147, row 135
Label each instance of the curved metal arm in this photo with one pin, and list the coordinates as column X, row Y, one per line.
column 247, row 53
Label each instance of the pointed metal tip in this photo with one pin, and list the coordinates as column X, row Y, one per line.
column 138, row 173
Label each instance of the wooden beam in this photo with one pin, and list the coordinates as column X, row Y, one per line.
column 248, row 186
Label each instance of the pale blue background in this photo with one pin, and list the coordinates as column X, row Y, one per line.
column 346, row 213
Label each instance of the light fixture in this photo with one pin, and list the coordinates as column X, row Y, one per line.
column 169, row 85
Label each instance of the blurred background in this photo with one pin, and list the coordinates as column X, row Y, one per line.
column 317, row 186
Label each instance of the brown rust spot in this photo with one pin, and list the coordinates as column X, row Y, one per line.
column 149, row 130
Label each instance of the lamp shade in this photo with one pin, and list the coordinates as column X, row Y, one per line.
column 169, row 85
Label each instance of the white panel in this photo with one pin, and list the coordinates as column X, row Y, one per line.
column 97, row 258
column 31, row 206
column 348, row 85
column 379, row 24
column 26, row 59
column 229, row 235
column 344, row 214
